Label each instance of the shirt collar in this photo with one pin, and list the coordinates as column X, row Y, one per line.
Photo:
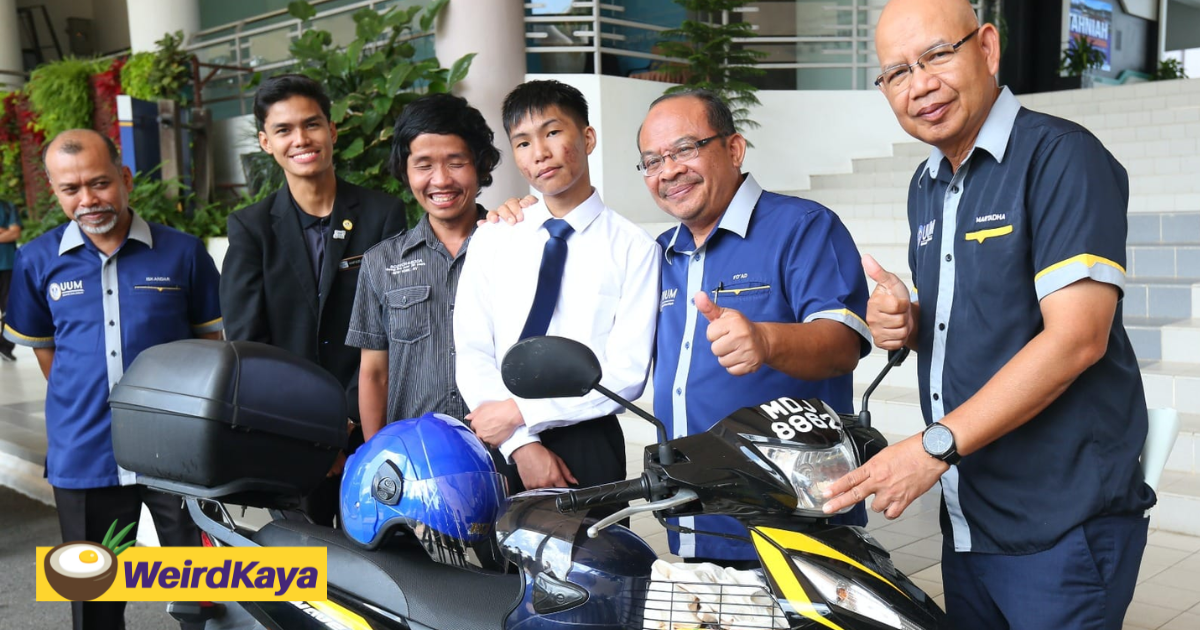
column 579, row 218
column 422, row 232
column 139, row 230
column 993, row 136
column 736, row 218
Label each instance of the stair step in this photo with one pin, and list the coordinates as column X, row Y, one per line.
column 1164, row 228
column 1162, row 339
column 1172, row 384
column 1164, row 261
column 1173, row 298
column 1178, row 508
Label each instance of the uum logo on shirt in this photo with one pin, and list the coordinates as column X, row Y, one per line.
column 925, row 233
column 59, row 290
column 668, row 298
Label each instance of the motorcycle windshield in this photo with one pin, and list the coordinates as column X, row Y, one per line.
column 533, row 532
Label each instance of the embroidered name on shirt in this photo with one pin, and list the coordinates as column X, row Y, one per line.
column 990, row 217
column 59, row 290
column 925, row 233
column 668, row 298
column 158, row 279
column 406, row 266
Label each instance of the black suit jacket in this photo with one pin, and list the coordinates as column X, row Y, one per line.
column 268, row 293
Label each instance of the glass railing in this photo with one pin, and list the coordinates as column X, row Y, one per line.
column 810, row 44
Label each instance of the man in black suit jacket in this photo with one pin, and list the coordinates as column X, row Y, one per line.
column 291, row 270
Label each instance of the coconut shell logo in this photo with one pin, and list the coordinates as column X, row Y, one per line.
column 82, row 570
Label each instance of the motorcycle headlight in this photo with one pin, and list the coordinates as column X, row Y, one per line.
column 811, row 470
column 843, row 592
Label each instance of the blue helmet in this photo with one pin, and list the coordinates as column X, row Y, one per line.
column 430, row 475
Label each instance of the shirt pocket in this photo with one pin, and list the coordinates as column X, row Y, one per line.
column 408, row 314
column 750, row 297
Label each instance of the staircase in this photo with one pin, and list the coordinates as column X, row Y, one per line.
column 1153, row 129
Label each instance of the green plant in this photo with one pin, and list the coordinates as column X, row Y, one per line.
column 60, row 94
column 370, row 82
column 1080, row 57
column 135, row 76
column 113, row 543
column 714, row 61
column 162, row 74
column 1169, row 69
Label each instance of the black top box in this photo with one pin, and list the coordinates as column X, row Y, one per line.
column 241, row 421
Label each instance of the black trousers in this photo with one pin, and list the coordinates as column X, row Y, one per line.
column 5, row 282
column 593, row 450
column 87, row 515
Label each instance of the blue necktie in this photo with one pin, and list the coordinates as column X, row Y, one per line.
column 554, row 257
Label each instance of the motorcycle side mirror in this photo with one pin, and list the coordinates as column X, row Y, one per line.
column 550, row 367
column 557, row 367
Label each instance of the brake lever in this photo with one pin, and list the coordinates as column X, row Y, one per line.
column 682, row 497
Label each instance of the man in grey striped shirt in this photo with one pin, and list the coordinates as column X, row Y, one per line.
column 404, row 308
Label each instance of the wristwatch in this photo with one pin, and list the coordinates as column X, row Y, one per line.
column 938, row 441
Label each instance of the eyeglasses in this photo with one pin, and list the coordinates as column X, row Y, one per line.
column 894, row 79
column 652, row 165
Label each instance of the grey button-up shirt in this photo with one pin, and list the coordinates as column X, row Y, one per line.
column 405, row 305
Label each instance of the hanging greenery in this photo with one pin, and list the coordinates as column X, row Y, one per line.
column 714, row 61
column 12, row 184
column 60, row 95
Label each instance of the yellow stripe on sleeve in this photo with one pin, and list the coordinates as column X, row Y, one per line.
column 1087, row 259
column 27, row 337
column 207, row 324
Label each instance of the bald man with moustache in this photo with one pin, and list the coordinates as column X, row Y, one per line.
column 1029, row 386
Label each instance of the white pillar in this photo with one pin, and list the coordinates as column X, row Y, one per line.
column 10, row 48
column 149, row 20
column 496, row 32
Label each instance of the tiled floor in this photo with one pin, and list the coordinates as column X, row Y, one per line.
column 1167, row 596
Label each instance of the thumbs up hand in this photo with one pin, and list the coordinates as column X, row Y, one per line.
column 889, row 310
column 738, row 343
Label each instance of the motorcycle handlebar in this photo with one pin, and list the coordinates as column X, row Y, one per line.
column 606, row 494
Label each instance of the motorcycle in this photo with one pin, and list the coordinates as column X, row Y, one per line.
column 551, row 564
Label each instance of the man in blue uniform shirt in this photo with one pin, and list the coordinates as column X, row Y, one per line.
column 1027, row 378
column 88, row 297
column 762, row 295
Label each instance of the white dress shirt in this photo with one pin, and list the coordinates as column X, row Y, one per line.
column 608, row 301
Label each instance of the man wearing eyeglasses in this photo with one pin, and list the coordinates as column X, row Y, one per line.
column 1028, row 381
column 762, row 294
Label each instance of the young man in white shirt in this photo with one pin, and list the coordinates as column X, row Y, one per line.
column 510, row 290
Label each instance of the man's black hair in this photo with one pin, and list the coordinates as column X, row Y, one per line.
column 284, row 86
column 720, row 117
column 535, row 97
column 447, row 115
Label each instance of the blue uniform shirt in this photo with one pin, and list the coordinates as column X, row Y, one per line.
column 774, row 259
column 1037, row 205
column 98, row 312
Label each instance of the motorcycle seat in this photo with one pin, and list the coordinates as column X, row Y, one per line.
column 404, row 580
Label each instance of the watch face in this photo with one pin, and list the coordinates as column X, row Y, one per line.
column 938, row 440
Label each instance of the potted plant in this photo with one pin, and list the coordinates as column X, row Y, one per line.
column 1169, row 69
column 1080, row 58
